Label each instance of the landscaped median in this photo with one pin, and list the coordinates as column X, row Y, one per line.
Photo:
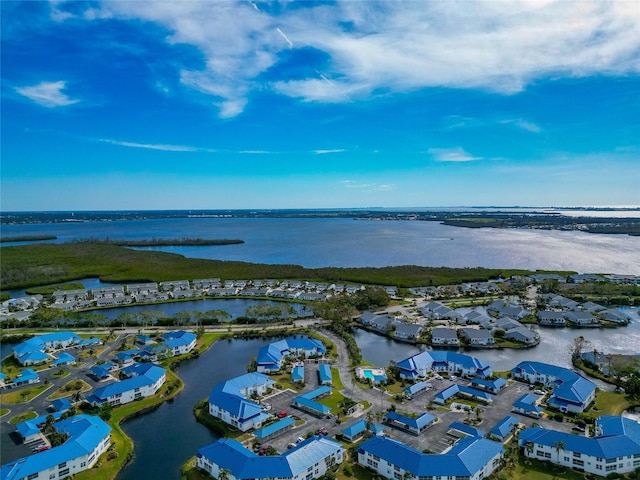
column 23, row 395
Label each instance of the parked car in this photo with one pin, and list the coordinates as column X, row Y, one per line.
column 282, row 414
column 539, row 392
column 299, row 440
column 291, row 445
column 42, row 448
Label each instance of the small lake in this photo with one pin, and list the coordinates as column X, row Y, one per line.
column 168, row 436
column 235, row 307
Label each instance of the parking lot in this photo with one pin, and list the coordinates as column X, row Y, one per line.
column 435, row 439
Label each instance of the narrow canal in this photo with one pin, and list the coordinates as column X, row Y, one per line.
column 168, row 436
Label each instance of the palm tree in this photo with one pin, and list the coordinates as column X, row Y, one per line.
column 223, row 474
column 559, row 445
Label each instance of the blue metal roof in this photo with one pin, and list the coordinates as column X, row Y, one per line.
column 424, row 361
column 417, row 387
column 26, row 375
column 305, row 402
column 317, row 392
column 64, row 357
column 274, row 427
column 243, row 464
column 355, row 429
column 504, row 426
column 527, row 402
column 325, row 373
column 467, row 429
column 89, row 341
column 569, row 386
column 149, row 377
column 271, row 355
column 618, row 437
column 496, row 384
column 415, row 423
column 85, row 431
column 297, row 374
column 466, row 458
column 61, row 404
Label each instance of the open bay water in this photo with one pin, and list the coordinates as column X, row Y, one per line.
column 343, row 242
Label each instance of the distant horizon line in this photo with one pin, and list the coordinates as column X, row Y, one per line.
column 328, row 209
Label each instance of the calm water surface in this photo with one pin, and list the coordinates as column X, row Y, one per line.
column 320, row 242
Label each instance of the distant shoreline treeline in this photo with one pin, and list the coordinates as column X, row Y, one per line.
column 27, row 238
column 48, row 263
column 163, row 242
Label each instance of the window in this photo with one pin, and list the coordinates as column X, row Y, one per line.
column 62, row 465
column 64, row 472
column 32, row 476
column 580, row 463
column 83, row 464
column 548, row 455
column 577, row 454
column 611, row 468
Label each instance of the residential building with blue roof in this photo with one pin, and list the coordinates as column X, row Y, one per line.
column 422, row 364
column 493, row 386
column 309, row 459
column 271, row 357
column 527, row 404
column 458, row 428
column 90, row 342
column 415, row 389
column 451, row 391
column 614, row 449
column 27, row 376
column 471, row 458
column 297, row 374
column 311, row 406
column 64, row 358
column 229, row 401
column 415, row 425
column 89, row 437
column 324, row 374
column 355, row 431
column 274, row 429
column 180, row 342
column 145, row 381
column 504, row 428
column 571, row 391
column 61, row 405
column 33, row 351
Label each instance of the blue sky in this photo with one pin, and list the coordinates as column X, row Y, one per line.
column 177, row 105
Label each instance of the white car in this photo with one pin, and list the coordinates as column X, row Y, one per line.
column 539, row 392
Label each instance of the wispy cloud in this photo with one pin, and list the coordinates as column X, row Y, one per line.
column 522, row 124
column 324, row 152
column 285, row 37
column 457, row 154
column 255, row 152
column 156, row 146
column 369, row 187
column 47, row 94
column 390, row 47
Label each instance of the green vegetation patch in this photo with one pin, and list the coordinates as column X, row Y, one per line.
column 42, row 264
column 23, row 395
column 71, row 388
column 23, row 417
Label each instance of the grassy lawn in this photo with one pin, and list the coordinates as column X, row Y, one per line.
column 61, row 373
column 22, row 396
column 70, row 388
column 337, row 381
column 11, row 367
column 530, row 469
column 21, row 418
column 86, row 353
column 4, row 411
column 190, row 471
column 608, row 403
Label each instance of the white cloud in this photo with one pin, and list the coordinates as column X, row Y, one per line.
column 47, row 94
column 367, row 187
column 155, row 146
column 324, row 152
column 522, row 124
column 387, row 47
column 457, row 154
